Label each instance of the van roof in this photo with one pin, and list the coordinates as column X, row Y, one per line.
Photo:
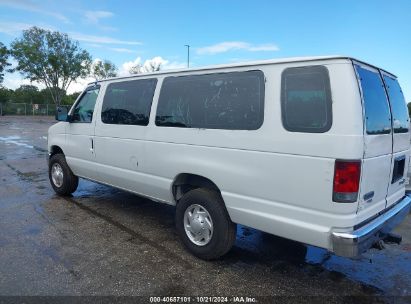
column 242, row 64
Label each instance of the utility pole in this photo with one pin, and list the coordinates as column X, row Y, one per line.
column 188, row 55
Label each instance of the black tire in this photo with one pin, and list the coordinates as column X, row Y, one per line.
column 224, row 230
column 70, row 181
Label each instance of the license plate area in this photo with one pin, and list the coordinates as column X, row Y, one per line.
column 398, row 170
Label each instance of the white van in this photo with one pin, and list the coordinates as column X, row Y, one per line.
column 310, row 149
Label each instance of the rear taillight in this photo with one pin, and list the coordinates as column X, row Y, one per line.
column 346, row 181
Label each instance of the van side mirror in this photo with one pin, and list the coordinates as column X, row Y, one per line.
column 62, row 113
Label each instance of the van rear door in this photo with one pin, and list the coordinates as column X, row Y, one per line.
column 378, row 141
column 401, row 138
column 386, row 140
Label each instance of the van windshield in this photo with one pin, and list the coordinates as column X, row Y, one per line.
column 398, row 106
column 377, row 111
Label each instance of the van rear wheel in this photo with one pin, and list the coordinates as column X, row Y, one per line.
column 62, row 179
column 203, row 224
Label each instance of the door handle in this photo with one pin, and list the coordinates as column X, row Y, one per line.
column 92, row 145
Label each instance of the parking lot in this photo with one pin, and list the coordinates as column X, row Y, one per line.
column 103, row 241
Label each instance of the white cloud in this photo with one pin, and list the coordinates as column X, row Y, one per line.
column 176, row 65
column 94, row 45
column 101, row 39
column 15, row 28
column 235, row 45
column 157, row 60
column 263, row 48
column 93, row 17
column 126, row 66
column 95, row 60
column 34, row 7
column 15, row 80
column 79, row 85
column 114, row 49
column 121, row 50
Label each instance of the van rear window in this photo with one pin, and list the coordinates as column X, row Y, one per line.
column 306, row 99
column 233, row 101
column 398, row 106
column 377, row 111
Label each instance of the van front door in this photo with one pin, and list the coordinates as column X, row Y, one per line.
column 80, row 153
column 121, row 128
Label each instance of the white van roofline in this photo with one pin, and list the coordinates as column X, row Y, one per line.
column 243, row 64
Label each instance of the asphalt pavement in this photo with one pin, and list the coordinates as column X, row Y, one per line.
column 107, row 242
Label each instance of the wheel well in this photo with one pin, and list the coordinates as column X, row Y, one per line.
column 186, row 182
column 56, row 150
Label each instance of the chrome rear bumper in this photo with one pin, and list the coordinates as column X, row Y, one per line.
column 352, row 244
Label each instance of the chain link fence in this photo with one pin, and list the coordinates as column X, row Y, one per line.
column 27, row 109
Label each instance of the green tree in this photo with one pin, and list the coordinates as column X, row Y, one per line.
column 45, row 97
column 70, row 98
column 5, row 94
column 51, row 58
column 27, row 94
column 4, row 54
column 102, row 69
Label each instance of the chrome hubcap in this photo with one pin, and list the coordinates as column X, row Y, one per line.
column 198, row 225
column 57, row 175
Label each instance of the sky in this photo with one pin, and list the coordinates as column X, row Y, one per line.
column 220, row 31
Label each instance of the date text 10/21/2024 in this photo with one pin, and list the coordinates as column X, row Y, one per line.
column 200, row 299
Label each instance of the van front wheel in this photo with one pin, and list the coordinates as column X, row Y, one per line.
column 62, row 179
column 203, row 224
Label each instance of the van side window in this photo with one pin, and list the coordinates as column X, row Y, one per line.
column 398, row 105
column 377, row 111
column 233, row 101
column 306, row 99
column 83, row 111
column 128, row 102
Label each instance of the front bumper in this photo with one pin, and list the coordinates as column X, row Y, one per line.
column 352, row 244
